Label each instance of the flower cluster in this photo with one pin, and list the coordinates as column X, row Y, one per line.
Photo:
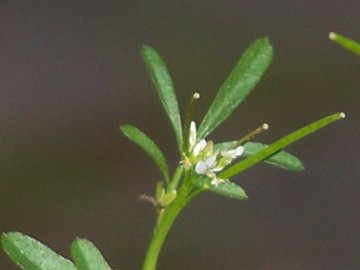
column 206, row 160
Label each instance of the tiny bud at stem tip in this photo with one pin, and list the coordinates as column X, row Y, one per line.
column 196, row 95
column 265, row 126
column 332, row 35
column 342, row 115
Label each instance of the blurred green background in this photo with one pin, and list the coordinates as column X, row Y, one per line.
column 71, row 73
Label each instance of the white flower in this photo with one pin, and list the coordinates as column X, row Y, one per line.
column 208, row 167
column 211, row 163
column 207, row 161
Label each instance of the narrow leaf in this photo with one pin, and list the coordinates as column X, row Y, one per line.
column 30, row 254
column 149, row 146
column 164, row 87
column 280, row 159
column 87, row 257
column 238, row 85
column 226, row 188
column 280, row 144
column 347, row 43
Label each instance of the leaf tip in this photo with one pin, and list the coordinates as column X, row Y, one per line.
column 144, row 47
column 79, row 242
column 3, row 238
column 78, row 239
column 122, row 127
column 301, row 168
column 6, row 235
column 267, row 40
column 146, row 51
column 125, row 128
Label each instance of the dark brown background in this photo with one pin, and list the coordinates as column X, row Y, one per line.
column 71, row 73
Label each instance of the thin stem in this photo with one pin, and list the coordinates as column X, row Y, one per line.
column 252, row 134
column 160, row 234
column 164, row 224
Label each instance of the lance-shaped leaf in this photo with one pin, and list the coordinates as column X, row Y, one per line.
column 149, row 146
column 87, row 257
column 30, row 254
column 347, row 43
column 280, row 159
column 280, row 144
column 238, row 85
column 226, row 188
column 164, row 87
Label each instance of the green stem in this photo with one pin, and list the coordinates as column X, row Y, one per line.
column 164, row 224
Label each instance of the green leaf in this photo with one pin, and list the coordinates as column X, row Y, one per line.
column 30, row 254
column 347, row 43
column 238, row 85
column 280, row 144
column 230, row 190
column 226, row 188
column 87, row 257
column 165, row 89
column 280, row 159
column 149, row 146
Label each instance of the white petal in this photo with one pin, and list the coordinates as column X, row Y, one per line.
column 192, row 135
column 201, row 167
column 232, row 154
column 199, row 147
column 210, row 162
column 239, row 151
